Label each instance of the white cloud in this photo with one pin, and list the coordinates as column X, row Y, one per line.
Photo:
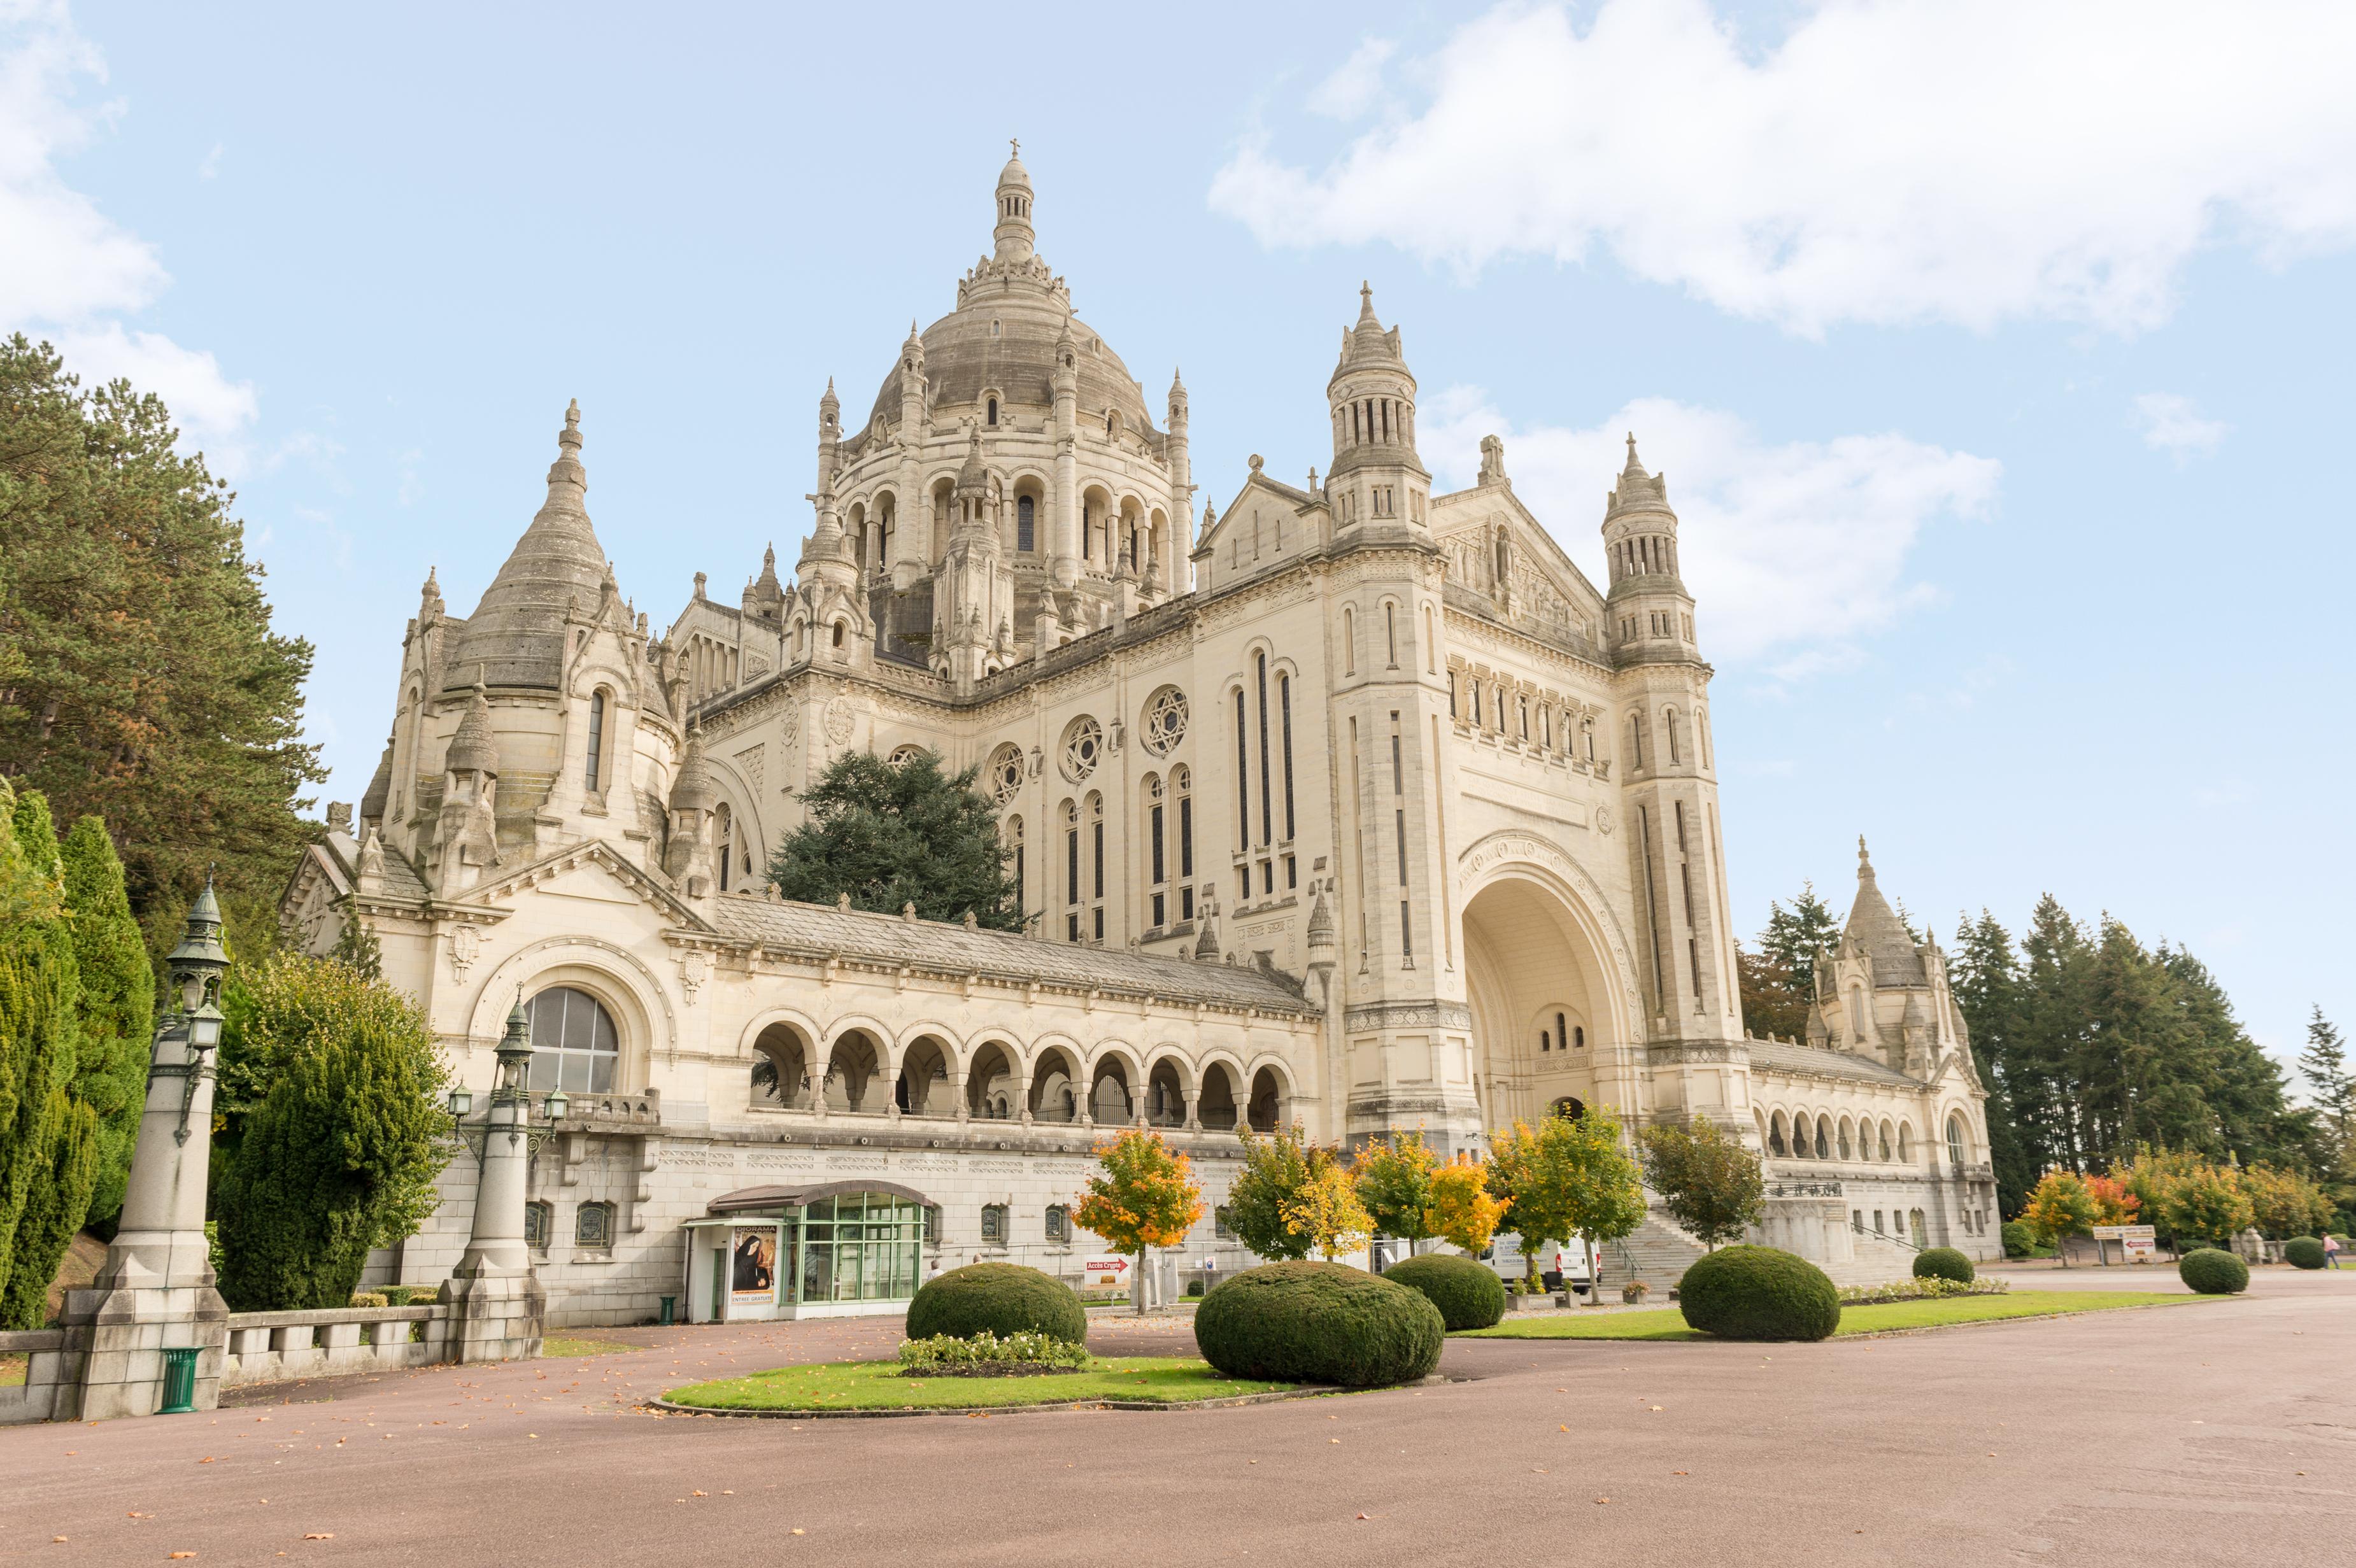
column 1794, row 552
column 68, row 271
column 2171, row 424
column 1357, row 86
column 1885, row 161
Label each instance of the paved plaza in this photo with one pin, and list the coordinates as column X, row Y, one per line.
column 2218, row 1433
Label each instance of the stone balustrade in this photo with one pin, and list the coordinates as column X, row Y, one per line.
column 37, row 1397
column 276, row 1346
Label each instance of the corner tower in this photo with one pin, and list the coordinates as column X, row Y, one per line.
column 1377, row 478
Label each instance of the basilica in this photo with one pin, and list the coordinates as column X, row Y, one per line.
column 1347, row 804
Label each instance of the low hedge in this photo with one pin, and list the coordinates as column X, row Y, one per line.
column 2213, row 1273
column 1944, row 1263
column 1758, row 1293
column 997, row 1299
column 2303, row 1252
column 2019, row 1240
column 1467, row 1291
column 1319, row 1323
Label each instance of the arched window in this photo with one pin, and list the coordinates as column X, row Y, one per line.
column 1905, row 1144
column 1884, row 1143
column 593, row 1225
column 1349, row 640
column 1014, row 847
column 1843, row 1146
column 538, row 1219
column 1955, row 1140
column 1676, row 747
column 1071, row 872
column 1266, row 799
column 596, row 740
column 1390, row 630
column 1097, row 863
column 573, row 1045
column 1157, row 898
column 723, row 825
column 1824, row 1141
column 1431, row 655
column 1059, row 1223
column 1284, row 706
column 1857, row 1011
column 1243, row 775
column 1562, row 1032
column 1026, row 524
column 993, row 402
column 1180, row 781
column 1776, row 1135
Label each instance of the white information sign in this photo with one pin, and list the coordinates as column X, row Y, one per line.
column 2137, row 1243
column 1104, row 1272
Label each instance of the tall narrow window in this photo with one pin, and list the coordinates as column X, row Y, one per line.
column 1635, row 742
column 993, row 402
column 1562, row 1031
column 1266, row 799
column 725, row 835
column 1676, row 748
column 1014, row 837
column 1180, row 780
column 1390, row 631
column 1087, row 534
column 1157, row 853
column 596, row 739
column 1431, row 656
column 1349, row 640
column 1097, row 850
column 1026, row 524
column 1284, row 705
column 1071, row 872
column 1243, row 776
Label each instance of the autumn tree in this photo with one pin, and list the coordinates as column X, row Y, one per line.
column 2205, row 1203
column 1276, row 1168
column 142, row 681
column 1707, row 1180
column 1463, row 1212
column 1143, row 1195
column 2113, row 1203
column 1326, row 1213
column 1565, row 1179
column 887, row 834
column 1394, row 1178
column 2058, row 1207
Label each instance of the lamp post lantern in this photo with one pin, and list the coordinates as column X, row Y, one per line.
column 502, row 1305
column 149, row 1333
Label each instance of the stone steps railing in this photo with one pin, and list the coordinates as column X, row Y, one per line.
column 276, row 1346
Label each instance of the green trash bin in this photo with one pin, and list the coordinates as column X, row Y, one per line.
column 670, row 1310
column 179, row 1381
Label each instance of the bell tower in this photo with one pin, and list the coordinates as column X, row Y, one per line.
column 1377, row 479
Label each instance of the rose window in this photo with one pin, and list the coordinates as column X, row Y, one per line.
column 1006, row 774
column 1165, row 720
column 1083, row 746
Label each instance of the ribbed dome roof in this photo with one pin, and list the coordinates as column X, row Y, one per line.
column 516, row 636
column 964, row 356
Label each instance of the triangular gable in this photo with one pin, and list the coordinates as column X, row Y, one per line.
column 1464, row 515
column 1268, row 493
column 593, row 855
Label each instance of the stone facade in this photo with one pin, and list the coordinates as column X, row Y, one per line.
column 1359, row 806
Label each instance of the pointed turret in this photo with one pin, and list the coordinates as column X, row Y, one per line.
column 516, row 636
column 1377, row 475
column 1651, row 614
column 1876, row 930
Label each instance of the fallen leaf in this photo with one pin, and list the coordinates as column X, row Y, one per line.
column 320, row 1535
column 183, row 1554
column 1602, row 1500
column 60, row 1540
column 703, row 1494
column 1680, row 1472
column 209, row 1459
column 798, row 1532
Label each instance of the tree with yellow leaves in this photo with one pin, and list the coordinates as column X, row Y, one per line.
column 1143, row 1195
column 1327, row 1212
column 1462, row 1213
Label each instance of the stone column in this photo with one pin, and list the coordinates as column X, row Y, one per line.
column 499, row 1308
column 156, row 1291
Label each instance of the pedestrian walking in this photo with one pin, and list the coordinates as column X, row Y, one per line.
column 2331, row 1250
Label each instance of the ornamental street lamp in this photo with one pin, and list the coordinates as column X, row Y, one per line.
column 195, row 968
column 510, row 1108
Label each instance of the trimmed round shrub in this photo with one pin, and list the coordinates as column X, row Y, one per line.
column 1004, row 1299
column 2019, row 1240
column 2213, row 1273
column 2303, row 1252
column 1467, row 1291
column 1944, row 1263
column 1319, row 1323
column 1758, row 1293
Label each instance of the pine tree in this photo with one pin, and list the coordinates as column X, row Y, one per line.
column 890, row 834
column 48, row 1140
column 1779, row 981
column 117, row 1008
column 341, row 1145
column 2324, row 1065
column 1985, row 976
column 143, row 682
column 2057, row 978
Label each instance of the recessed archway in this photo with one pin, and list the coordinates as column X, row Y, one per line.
column 1542, row 1000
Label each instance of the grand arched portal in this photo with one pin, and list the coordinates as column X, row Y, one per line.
column 1545, row 1026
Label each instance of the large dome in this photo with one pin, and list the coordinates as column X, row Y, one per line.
column 1002, row 339
column 1010, row 313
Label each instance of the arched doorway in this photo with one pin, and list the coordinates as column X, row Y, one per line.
column 1545, row 1017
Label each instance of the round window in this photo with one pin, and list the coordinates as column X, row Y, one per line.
column 1082, row 747
column 1006, row 774
column 1165, row 720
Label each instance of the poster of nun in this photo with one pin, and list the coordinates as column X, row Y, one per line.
column 753, row 1267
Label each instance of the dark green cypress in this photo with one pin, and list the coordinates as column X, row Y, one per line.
column 46, row 1150
column 890, row 834
column 118, row 1007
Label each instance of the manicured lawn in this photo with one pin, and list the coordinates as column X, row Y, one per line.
column 878, row 1385
column 558, row 1346
column 1669, row 1324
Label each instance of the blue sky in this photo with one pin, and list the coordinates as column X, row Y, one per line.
column 1997, row 355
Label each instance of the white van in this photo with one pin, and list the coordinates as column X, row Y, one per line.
column 1566, row 1266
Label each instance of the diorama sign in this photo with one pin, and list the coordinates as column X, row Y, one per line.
column 753, row 1267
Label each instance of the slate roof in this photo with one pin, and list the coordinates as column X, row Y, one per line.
column 1876, row 928
column 401, row 879
column 936, row 945
column 1776, row 1056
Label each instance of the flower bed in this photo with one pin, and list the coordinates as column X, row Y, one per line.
column 986, row 1355
column 1919, row 1290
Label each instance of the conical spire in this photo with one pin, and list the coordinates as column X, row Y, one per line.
column 1636, row 488
column 517, row 632
column 1367, row 320
column 474, row 749
column 1876, row 928
column 693, row 790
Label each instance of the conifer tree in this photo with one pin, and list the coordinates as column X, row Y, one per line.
column 1779, row 981
column 117, row 1007
column 891, row 833
column 1984, row 972
column 2324, row 1065
column 142, row 681
column 48, row 1139
column 341, row 1145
